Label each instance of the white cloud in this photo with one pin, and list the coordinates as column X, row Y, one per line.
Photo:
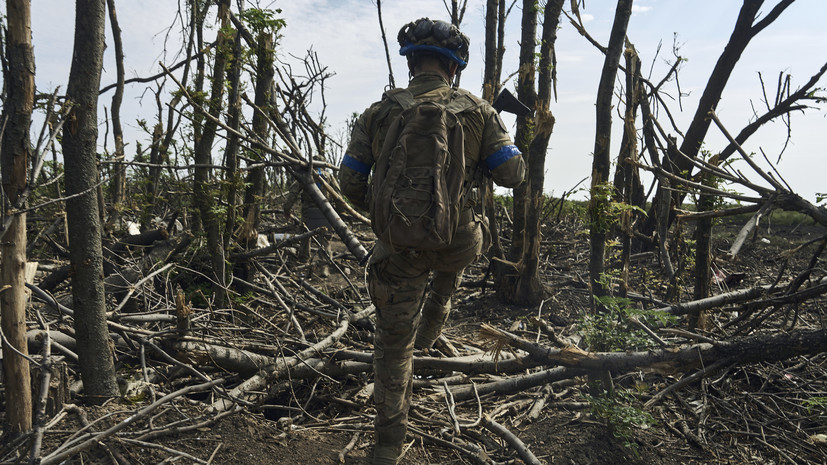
column 345, row 34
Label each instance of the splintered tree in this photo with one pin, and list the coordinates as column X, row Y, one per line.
column 204, row 188
column 600, row 187
column 82, row 216
column 507, row 272
column 518, row 280
column 17, row 113
column 251, row 213
column 529, row 284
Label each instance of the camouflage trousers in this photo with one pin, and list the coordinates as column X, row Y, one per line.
column 397, row 283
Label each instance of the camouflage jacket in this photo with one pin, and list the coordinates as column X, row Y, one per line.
column 486, row 139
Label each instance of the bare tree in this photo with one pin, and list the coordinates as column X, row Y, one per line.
column 204, row 195
column 491, row 81
column 231, row 150
column 530, row 290
column 519, row 281
column 600, row 196
column 391, row 81
column 17, row 113
column 255, row 177
column 80, row 164
column 627, row 186
column 747, row 26
column 456, row 11
column 507, row 272
column 117, row 187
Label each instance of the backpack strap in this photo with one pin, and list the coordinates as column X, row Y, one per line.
column 461, row 102
column 403, row 97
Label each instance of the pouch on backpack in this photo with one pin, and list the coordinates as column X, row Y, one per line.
column 418, row 178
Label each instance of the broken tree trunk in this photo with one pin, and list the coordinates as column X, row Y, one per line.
column 757, row 348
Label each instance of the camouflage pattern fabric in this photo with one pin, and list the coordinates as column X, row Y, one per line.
column 397, row 281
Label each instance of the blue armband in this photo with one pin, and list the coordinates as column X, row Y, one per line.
column 501, row 156
column 356, row 165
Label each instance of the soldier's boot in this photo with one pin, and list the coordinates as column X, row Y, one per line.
column 435, row 311
column 386, row 455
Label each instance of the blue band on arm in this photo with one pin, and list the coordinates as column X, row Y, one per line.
column 501, row 156
column 356, row 165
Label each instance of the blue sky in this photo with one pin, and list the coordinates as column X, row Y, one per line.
column 345, row 34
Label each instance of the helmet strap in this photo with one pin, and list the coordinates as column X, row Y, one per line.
column 457, row 74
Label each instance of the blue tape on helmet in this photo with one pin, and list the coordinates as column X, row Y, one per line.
column 409, row 48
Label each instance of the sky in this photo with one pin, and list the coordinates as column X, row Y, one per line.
column 346, row 36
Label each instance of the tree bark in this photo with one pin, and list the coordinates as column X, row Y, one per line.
column 490, row 81
column 527, row 93
column 204, row 189
column 231, row 162
column 490, row 89
column 255, row 178
column 79, row 152
column 598, row 203
column 117, row 189
column 703, row 257
column 529, row 289
column 507, row 274
column 17, row 114
column 627, row 180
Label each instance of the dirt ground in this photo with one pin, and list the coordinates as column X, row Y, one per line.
column 745, row 414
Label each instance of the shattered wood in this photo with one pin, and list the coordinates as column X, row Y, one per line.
column 291, row 359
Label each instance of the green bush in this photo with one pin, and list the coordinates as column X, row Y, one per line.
column 620, row 414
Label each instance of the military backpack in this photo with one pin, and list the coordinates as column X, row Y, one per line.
column 418, row 180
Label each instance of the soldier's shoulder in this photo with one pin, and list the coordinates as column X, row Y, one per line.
column 469, row 100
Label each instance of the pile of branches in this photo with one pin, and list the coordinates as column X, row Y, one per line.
column 302, row 346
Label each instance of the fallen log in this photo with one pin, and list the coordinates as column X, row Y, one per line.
column 517, row 383
column 228, row 358
column 340, row 363
column 741, row 295
column 756, row 348
column 466, row 364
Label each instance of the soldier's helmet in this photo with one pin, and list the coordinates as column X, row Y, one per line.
column 434, row 36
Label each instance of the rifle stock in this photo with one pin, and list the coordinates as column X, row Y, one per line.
column 506, row 101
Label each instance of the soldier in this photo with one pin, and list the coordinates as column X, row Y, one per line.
column 397, row 279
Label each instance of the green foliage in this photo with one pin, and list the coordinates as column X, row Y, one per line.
column 504, row 201
column 262, row 20
column 614, row 330
column 604, row 211
column 241, row 299
column 816, row 405
column 619, row 412
column 790, row 218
